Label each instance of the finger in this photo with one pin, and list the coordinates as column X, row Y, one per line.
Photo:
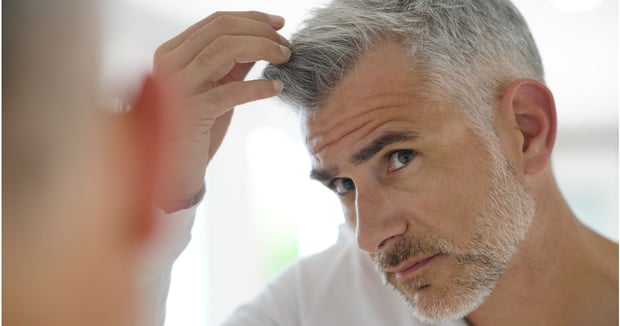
column 221, row 56
column 238, row 73
column 223, row 25
column 217, row 101
column 276, row 22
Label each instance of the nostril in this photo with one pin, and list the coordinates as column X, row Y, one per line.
column 382, row 244
column 385, row 241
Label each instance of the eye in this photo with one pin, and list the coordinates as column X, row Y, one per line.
column 341, row 186
column 399, row 159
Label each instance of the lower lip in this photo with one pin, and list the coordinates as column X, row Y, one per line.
column 400, row 276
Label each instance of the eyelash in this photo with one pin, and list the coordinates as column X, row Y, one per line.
column 351, row 185
column 332, row 185
column 410, row 152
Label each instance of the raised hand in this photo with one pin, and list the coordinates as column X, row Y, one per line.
column 201, row 77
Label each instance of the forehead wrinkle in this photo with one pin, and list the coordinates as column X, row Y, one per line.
column 322, row 139
column 389, row 135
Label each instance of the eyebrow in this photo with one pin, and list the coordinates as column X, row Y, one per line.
column 379, row 143
column 367, row 152
column 323, row 175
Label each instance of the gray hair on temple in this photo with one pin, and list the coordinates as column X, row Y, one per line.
column 465, row 50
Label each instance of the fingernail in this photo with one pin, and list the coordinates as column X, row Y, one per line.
column 277, row 85
column 276, row 21
column 286, row 51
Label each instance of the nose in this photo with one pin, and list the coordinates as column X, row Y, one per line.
column 378, row 219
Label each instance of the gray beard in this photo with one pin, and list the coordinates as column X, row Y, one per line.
column 498, row 232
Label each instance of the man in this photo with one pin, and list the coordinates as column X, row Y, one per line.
column 431, row 122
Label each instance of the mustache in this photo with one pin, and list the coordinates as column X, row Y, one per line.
column 408, row 247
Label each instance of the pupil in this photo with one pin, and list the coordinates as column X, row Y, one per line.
column 404, row 157
column 347, row 184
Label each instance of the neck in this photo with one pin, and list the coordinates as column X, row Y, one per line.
column 563, row 273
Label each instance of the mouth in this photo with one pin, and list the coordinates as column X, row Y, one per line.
column 408, row 268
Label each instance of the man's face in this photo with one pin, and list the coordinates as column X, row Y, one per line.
column 439, row 208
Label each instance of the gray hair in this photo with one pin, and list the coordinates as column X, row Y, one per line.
column 465, row 50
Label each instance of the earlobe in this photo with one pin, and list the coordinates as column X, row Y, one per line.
column 533, row 107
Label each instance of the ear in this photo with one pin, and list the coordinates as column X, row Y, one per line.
column 144, row 120
column 531, row 103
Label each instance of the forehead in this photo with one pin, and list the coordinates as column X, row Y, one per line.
column 383, row 85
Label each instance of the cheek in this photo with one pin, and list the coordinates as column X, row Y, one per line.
column 445, row 197
column 452, row 212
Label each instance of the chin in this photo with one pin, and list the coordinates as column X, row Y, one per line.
column 433, row 303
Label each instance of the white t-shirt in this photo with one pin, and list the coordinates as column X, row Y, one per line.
column 335, row 287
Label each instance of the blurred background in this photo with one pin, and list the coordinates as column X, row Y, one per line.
column 261, row 211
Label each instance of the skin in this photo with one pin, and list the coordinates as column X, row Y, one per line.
column 573, row 281
column 59, row 268
column 79, row 245
column 79, row 188
column 200, row 73
column 75, row 209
